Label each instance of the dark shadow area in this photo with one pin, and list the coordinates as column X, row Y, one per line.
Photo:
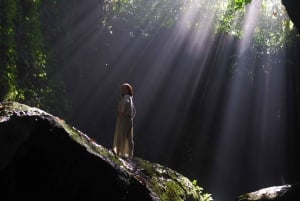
column 49, row 165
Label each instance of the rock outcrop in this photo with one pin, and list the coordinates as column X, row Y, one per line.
column 274, row 193
column 44, row 158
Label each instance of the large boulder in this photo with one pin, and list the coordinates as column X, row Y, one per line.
column 42, row 157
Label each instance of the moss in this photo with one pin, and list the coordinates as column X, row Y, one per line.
column 169, row 185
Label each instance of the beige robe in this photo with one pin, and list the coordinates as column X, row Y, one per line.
column 123, row 144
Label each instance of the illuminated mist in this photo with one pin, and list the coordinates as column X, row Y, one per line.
column 213, row 101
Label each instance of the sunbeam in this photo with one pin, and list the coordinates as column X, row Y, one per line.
column 251, row 146
column 210, row 86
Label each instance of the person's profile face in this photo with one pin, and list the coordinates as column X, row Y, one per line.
column 124, row 90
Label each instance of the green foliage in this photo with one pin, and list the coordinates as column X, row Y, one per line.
column 275, row 28
column 239, row 4
column 199, row 191
column 8, row 49
column 225, row 16
column 148, row 15
column 25, row 68
column 230, row 18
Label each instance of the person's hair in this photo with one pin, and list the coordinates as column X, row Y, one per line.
column 129, row 88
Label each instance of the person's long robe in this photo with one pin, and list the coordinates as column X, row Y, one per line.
column 123, row 144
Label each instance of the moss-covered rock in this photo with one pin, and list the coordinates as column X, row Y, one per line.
column 275, row 193
column 43, row 157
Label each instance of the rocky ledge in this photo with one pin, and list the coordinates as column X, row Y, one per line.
column 44, row 158
column 274, row 193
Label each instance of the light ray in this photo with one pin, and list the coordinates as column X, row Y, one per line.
column 252, row 126
column 196, row 88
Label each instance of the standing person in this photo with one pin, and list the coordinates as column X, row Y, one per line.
column 123, row 144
